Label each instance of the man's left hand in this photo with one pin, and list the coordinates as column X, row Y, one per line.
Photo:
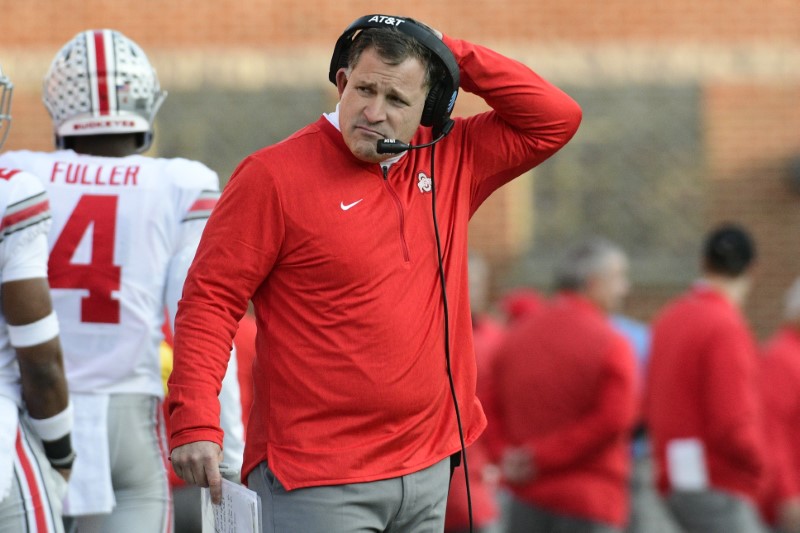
column 197, row 463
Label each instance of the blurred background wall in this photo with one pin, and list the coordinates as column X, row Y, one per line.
column 690, row 113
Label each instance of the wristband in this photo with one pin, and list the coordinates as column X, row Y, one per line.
column 59, row 452
column 55, row 427
column 63, row 464
column 34, row 333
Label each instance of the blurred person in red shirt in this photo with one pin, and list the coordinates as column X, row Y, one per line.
column 702, row 400
column 564, row 402
column 780, row 387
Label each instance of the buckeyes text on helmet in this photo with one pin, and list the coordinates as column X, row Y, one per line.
column 101, row 83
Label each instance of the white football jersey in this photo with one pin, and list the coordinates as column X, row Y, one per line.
column 24, row 217
column 117, row 225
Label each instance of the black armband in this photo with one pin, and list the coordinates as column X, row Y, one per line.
column 59, row 452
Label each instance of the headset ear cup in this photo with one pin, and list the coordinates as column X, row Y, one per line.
column 339, row 57
column 433, row 106
column 341, row 62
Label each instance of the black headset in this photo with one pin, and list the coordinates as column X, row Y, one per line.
column 441, row 96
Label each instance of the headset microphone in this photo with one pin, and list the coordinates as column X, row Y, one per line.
column 393, row 146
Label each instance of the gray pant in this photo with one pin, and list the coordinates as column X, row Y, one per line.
column 648, row 512
column 525, row 518
column 34, row 502
column 714, row 511
column 137, row 447
column 414, row 502
column 188, row 509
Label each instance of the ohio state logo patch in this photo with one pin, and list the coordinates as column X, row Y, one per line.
column 423, row 182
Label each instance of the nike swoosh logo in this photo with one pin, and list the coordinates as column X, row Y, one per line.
column 348, row 206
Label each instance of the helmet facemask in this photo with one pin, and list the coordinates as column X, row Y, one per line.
column 6, row 89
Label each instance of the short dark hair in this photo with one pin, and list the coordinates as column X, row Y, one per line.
column 394, row 47
column 728, row 250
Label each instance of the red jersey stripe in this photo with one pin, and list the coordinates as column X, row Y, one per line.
column 8, row 173
column 25, row 214
column 204, row 204
column 102, row 72
column 38, row 504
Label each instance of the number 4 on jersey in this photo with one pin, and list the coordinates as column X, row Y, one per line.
column 101, row 276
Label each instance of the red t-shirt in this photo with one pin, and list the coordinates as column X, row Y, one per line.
column 350, row 381
column 702, row 384
column 780, row 387
column 563, row 383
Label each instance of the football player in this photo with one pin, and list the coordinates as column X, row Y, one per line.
column 125, row 228
column 35, row 414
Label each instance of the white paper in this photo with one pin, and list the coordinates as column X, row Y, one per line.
column 686, row 465
column 238, row 512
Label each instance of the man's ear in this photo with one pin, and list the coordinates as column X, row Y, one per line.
column 341, row 80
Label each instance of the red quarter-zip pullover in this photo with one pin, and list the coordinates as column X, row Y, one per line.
column 340, row 261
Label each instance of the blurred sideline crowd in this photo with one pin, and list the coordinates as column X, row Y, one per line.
column 599, row 422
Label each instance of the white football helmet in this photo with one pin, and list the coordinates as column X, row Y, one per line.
column 6, row 88
column 102, row 83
